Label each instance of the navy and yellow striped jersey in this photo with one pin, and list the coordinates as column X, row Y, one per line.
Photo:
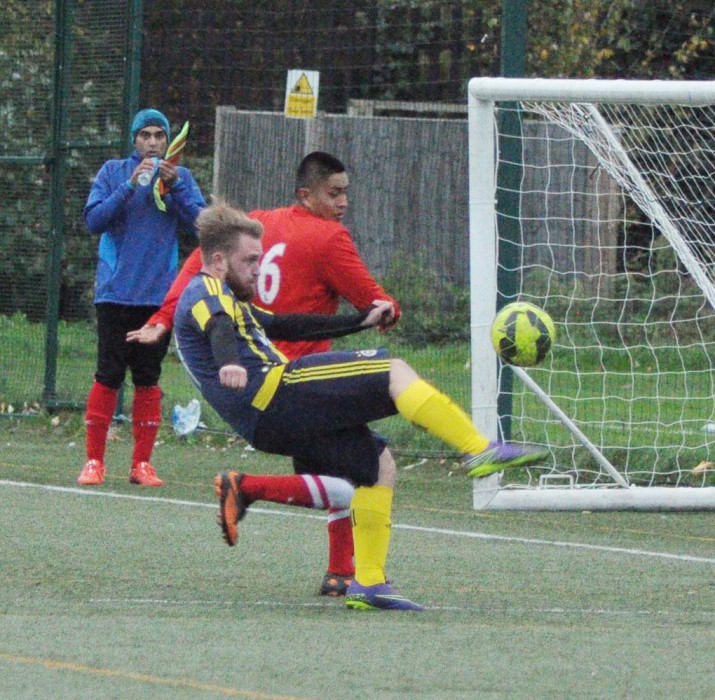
column 203, row 298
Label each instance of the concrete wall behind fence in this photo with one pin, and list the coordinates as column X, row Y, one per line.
column 409, row 185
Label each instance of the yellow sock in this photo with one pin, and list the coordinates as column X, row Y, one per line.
column 371, row 514
column 432, row 410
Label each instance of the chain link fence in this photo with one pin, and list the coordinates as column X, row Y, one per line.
column 73, row 72
column 66, row 86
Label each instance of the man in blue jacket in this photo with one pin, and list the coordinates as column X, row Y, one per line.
column 138, row 260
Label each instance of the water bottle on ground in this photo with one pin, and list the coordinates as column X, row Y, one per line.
column 185, row 419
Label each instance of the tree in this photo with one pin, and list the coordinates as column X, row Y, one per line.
column 622, row 39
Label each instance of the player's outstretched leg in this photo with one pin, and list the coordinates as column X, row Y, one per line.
column 237, row 491
column 232, row 504
column 423, row 405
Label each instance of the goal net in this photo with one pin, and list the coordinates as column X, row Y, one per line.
column 596, row 201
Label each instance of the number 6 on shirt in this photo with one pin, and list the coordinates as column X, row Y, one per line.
column 269, row 281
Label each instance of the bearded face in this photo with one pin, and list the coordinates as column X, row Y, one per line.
column 242, row 268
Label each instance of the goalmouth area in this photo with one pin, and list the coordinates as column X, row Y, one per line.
column 594, row 199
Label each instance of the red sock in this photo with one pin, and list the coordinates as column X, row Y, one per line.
column 146, row 419
column 340, row 542
column 101, row 403
column 290, row 489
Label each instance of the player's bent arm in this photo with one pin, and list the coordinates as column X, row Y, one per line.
column 107, row 200
column 347, row 275
column 222, row 337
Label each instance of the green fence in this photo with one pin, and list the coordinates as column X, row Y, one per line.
column 70, row 79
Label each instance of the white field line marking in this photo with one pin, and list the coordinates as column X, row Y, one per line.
column 605, row 612
column 557, row 543
column 395, row 526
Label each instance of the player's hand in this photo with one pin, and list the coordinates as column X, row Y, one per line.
column 381, row 314
column 168, row 173
column 147, row 334
column 233, row 376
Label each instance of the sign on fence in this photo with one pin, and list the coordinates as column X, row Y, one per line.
column 302, row 94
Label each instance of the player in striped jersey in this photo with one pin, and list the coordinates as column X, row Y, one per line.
column 309, row 263
column 317, row 408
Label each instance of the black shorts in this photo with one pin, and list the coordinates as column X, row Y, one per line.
column 115, row 354
column 320, row 411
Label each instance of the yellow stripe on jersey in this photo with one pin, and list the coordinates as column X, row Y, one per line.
column 263, row 309
column 212, row 284
column 258, row 325
column 200, row 311
column 268, row 389
column 242, row 307
column 215, row 288
column 336, row 371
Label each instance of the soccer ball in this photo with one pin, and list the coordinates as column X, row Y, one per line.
column 522, row 334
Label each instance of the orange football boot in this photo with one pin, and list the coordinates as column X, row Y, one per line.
column 144, row 474
column 92, row 473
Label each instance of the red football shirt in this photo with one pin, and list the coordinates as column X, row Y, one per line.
column 308, row 264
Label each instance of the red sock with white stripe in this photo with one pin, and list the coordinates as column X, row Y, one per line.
column 307, row 490
column 313, row 491
column 291, row 490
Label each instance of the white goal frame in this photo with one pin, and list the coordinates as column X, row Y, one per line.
column 490, row 493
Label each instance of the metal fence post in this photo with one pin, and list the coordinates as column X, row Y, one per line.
column 513, row 63
column 57, row 164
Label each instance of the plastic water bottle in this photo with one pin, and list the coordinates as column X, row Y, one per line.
column 185, row 419
column 146, row 176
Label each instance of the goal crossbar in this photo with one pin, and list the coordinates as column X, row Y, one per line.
column 690, row 92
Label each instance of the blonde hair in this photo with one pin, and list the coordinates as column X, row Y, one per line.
column 219, row 225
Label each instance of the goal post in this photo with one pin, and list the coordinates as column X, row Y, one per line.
column 616, row 240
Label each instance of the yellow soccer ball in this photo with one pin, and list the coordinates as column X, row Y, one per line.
column 522, row 334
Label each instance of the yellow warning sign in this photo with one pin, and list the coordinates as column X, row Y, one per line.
column 302, row 94
column 302, row 87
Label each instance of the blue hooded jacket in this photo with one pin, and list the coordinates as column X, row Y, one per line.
column 138, row 245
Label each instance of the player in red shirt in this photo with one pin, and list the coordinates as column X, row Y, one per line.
column 309, row 259
column 309, row 263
